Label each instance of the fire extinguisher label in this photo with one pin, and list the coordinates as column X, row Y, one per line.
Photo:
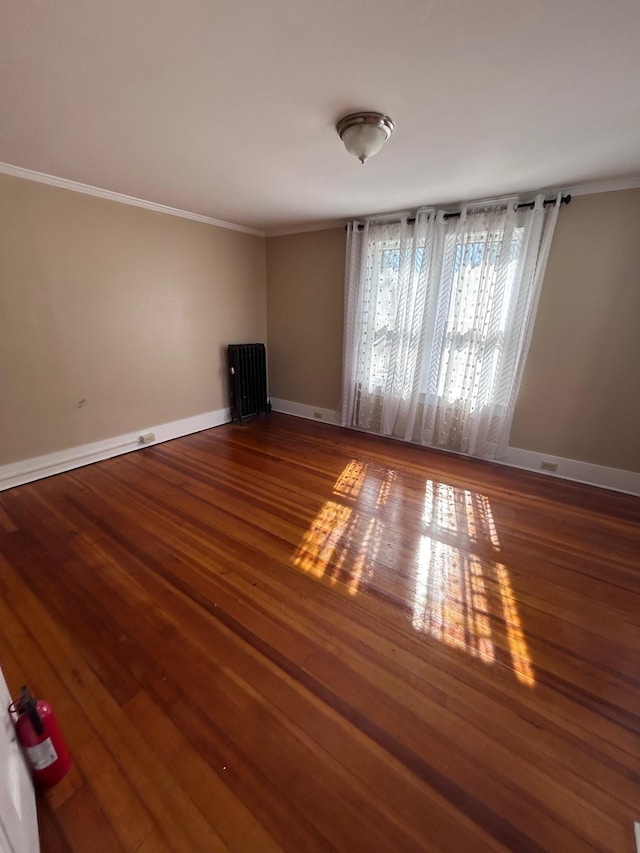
column 43, row 755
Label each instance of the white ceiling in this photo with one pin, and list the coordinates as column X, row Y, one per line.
column 227, row 108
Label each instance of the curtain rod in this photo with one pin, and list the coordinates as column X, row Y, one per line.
column 566, row 199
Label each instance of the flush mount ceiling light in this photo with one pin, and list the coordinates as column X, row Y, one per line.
column 364, row 134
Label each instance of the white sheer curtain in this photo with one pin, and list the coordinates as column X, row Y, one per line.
column 438, row 320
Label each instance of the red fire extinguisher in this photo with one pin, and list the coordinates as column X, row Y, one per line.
column 39, row 735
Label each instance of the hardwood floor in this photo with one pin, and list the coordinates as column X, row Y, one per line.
column 285, row 635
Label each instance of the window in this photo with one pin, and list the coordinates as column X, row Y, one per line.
column 478, row 313
column 439, row 313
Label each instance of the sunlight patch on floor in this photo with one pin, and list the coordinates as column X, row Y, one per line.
column 450, row 601
column 462, row 593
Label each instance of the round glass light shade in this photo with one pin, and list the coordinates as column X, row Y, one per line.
column 364, row 134
column 364, row 141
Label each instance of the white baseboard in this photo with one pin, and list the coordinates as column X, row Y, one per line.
column 300, row 410
column 18, row 473
column 573, row 469
column 528, row 460
column 38, row 467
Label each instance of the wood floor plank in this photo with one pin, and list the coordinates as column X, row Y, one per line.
column 50, row 831
column 233, row 653
column 94, row 765
column 235, row 823
column 416, row 803
column 221, row 594
column 85, row 825
column 589, row 817
column 171, row 808
column 154, row 843
column 292, row 636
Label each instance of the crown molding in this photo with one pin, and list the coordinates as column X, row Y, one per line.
column 592, row 188
column 605, row 186
column 76, row 187
column 327, row 225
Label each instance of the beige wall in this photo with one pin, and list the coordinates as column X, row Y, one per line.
column 131, row 310
column 580, row 396
column 304, row 316
column 128, row 309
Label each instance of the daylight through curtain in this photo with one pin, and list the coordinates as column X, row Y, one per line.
column 438, row 320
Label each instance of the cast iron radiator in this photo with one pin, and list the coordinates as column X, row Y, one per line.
column 248, row 380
